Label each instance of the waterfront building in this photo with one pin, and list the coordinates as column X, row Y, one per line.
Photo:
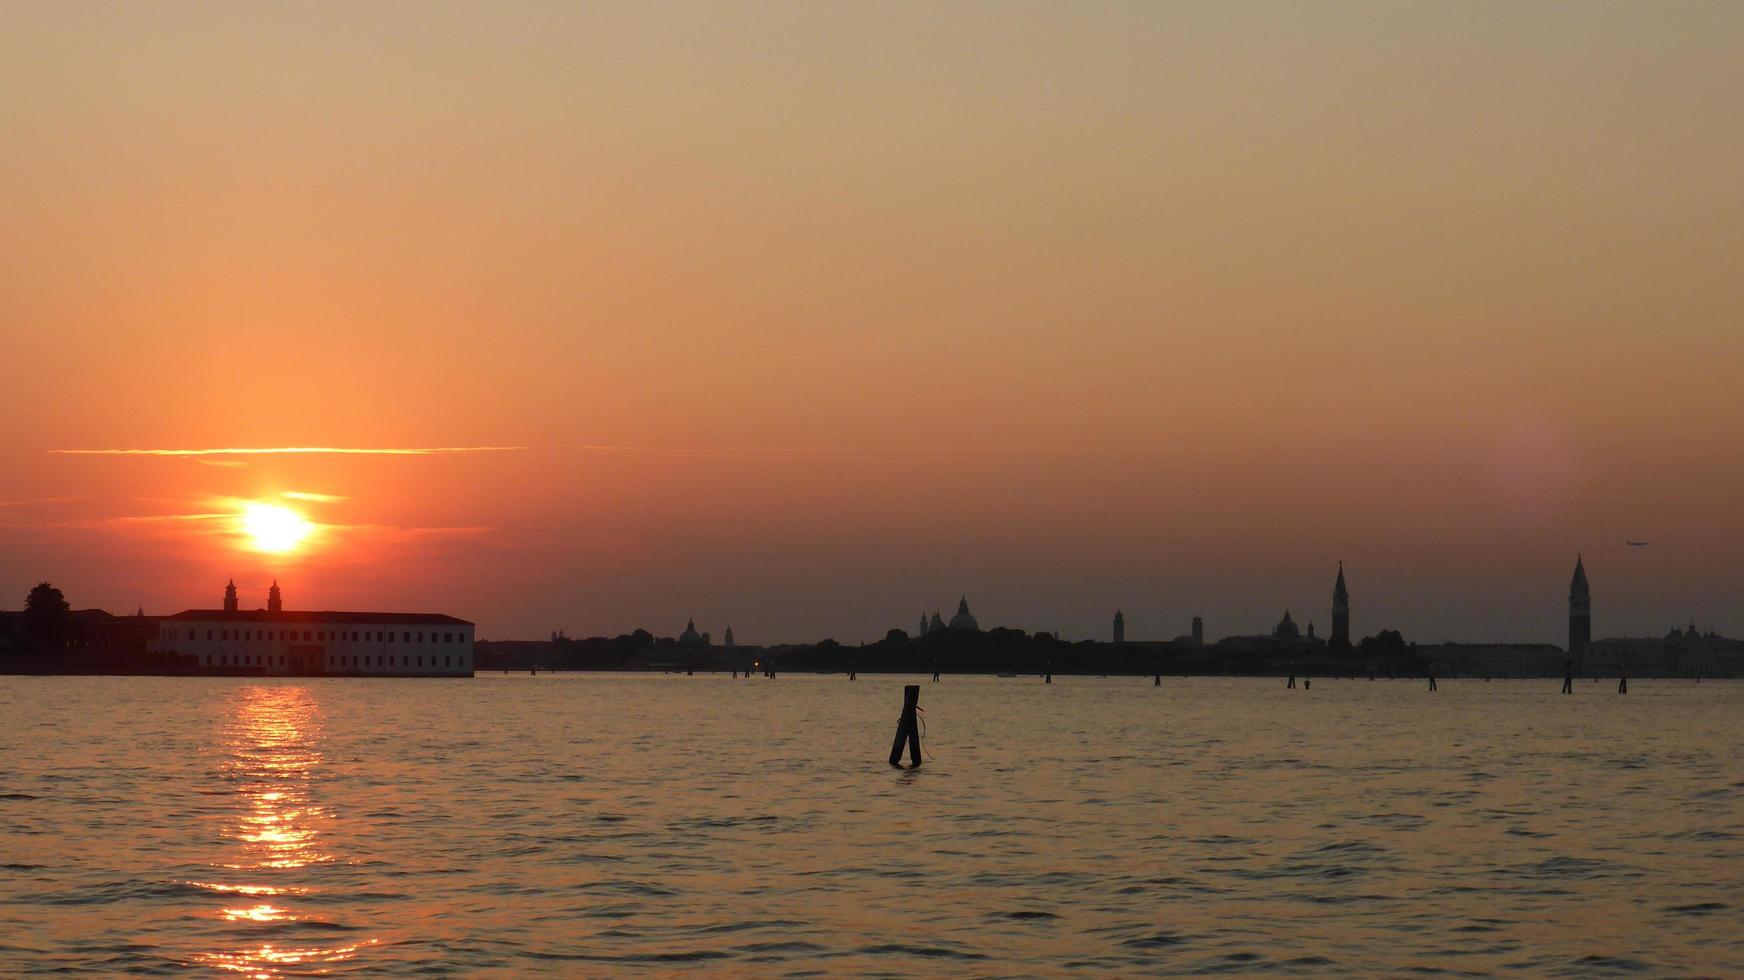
column 1119, row 627
column 1679, row 653
column 302, row 643
column 1495, row 659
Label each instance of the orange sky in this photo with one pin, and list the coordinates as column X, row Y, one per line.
column 1066, row 307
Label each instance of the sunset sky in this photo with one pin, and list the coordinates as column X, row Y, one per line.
column 806, row 318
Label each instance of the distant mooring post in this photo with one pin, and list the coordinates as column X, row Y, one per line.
column 1622, row 684
column 908, row 727
column 1292, row 685
column 1432, row 680
column 1159, row 681
column 1568, row 677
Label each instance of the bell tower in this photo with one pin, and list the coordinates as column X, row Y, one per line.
column 230, row 596
column 1580, row 616
column 275, row 601
column 1119, row 627
column 1340, row 613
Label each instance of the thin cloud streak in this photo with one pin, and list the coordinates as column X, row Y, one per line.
column 800, row 455
column 291, row 451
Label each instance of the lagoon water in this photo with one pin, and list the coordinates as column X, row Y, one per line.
column 593, row 824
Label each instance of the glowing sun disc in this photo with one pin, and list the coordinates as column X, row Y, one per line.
column 272, row 528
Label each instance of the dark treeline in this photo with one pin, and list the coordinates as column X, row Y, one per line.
column 991, row 651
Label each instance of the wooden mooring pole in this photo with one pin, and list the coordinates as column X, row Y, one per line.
column 908, row 728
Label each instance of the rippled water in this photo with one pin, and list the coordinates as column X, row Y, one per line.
column 591, row 824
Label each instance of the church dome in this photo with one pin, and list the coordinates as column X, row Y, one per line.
column 963, row 620
column 690, row 637
column 1286, row 629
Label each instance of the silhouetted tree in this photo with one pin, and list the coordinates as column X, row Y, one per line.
column 1386, row 643
column 48, row 620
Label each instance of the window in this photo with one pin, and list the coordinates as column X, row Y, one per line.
column 208, row 634
column 305, row 636
column 447, row 661
column 420, row 637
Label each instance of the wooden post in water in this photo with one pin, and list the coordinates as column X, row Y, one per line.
column 1159, row 680
column 1568, row 677
column 1432, row 681
column 908, row 728
column 1622, row 684
column 1292, row 685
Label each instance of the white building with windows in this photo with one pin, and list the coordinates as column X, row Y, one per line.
column 347, row 644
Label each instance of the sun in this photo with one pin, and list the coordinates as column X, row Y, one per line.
column 274, row 529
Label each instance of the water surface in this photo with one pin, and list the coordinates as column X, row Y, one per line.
column 590, row 824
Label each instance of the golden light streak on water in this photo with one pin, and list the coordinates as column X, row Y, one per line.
column 272, row 736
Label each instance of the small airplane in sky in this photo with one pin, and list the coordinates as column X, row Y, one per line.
column 1636, row 544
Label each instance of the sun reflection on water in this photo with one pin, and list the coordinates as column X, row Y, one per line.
column 272, row 740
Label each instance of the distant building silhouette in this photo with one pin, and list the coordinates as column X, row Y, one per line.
column 963, row 620
column 1286, row 630
column 230, row 596
column 1580, row 616
column 1340, row 639
column 935, row 624
column 690, row 637
column 728, row 638
column 1679, row 653
column 1198, row 631
column 1119, row 627
column 275, row 600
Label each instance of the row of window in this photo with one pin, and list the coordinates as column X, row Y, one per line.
column 278, row 660
column 322, row 636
